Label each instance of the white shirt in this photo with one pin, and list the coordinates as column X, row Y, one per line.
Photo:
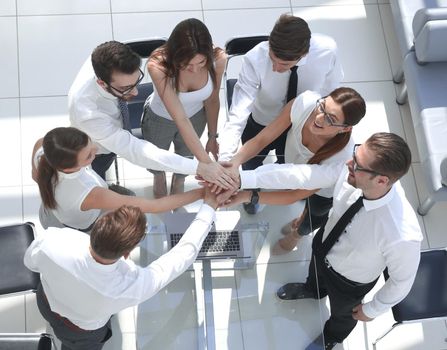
column 295, row 152
column 384, row 233
column 96, row 112
column 192, row 101
column 87, row 292
column 70, row 192
column 262, row 92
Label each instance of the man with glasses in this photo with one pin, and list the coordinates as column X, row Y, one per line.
column 97, row 105
column 372, row 226
column 273, row 73
column 86, row 279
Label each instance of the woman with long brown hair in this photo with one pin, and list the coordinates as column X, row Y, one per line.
column 320, row 132
column 73, row 195
column 186, row 73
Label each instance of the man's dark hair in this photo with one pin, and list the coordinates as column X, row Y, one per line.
column 114, row 56
column 290, row 38
column 118, row 232
column 392, row 156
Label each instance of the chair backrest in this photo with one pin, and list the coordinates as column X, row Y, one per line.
column 235, row 47
column 14, row 276
column 143, row 47
column 242, row 44
column 427, row 297
column 26, row 341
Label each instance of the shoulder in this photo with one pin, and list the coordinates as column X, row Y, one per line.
column 259, row 52
column 302, row 104
column 322, row 42
column 155, row 63
column 220, row 58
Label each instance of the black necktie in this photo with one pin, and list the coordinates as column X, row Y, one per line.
column 322, row 248
column 125, row 115
column 293, row 84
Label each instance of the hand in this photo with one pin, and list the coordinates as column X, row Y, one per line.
column 233, row 170
column 357, row 314
column 216, row 174
column 213, row 147
column 234, row 198
column 210, row 198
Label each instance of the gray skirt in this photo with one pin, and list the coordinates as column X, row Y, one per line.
column 162, row 132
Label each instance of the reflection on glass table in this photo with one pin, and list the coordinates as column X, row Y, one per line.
column 243, row 288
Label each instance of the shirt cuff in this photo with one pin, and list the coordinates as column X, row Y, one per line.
column 369, row 311
column 248, row 179
column 206, row 214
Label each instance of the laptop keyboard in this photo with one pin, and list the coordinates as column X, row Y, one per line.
column 215, row 242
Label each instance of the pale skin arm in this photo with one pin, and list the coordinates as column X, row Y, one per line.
column 272, row 198
column 105, row 199
column 212, row 171
column 264, row 138
column 212, row 105
column 37, row 145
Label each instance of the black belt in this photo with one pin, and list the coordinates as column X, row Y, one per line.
column 64, row 320
column 330, row 268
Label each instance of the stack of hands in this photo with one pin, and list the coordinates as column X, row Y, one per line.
column 223, row 180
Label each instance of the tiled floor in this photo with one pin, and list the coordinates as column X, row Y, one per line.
column 44, row 44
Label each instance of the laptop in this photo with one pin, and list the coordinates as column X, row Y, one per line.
column 224, row 240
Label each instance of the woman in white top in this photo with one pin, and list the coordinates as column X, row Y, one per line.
column 186, row 73
column 320, row 132
column 73, row 193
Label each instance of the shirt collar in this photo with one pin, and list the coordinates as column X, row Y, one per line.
column 377, row 203
column 101, row 267
column 71, row 175
column 103, row 92
column 302, row 61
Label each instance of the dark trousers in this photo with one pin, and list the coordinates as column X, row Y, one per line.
column 71, row 336
column 102, row 162
column 318, row 208
column 343, row 296
column 251, row 130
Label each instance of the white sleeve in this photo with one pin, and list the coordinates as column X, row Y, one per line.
column 244, row 95
column 334, row 76
column 31, row 255
column 136, row 151
column 402, row 262
column 172, row 264
column 291, row 176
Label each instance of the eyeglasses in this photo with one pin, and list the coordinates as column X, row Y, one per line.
column 328, row 118
column 357, row 167
column 129, row 89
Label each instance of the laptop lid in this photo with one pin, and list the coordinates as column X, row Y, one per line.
column 224, row 240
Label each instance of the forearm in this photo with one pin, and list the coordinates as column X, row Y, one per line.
column 172, row 202
column 277, row 197
column 191, row 139
column 402, row 263
column 212, row 113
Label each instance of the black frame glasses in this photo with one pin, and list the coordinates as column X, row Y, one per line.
column 328, row 118
column 357, row 167
column 128, row 90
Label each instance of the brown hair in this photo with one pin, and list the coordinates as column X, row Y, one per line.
column 290, row 38
column 114, row 56
column 118, row 232
column 188, row 39
column 61, row 147
column 392, row 156
column 354, row 109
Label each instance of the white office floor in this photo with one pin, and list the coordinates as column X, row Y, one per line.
column 44, row 43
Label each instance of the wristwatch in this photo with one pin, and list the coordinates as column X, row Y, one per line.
column 213, row 136
column 254, row 197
